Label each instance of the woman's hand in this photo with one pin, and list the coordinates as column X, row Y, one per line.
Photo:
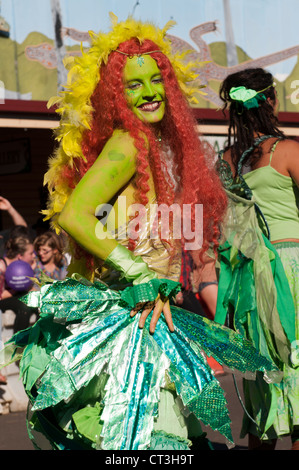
column 161, row 306
column 5, row 205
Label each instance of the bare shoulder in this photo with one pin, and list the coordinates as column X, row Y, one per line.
column 289, row 151
column 289, row 146
column 124, row 137
column 120, row 139
column 120, row 147
column 227, row 156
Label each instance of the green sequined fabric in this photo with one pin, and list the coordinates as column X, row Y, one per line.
column 94, row 378
column 149, row 291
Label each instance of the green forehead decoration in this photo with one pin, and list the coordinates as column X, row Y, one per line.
column 140, row 60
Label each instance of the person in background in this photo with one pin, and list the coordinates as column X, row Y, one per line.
column 51, row 261
column 259, row 260
column 16, row 218
column 17, row 248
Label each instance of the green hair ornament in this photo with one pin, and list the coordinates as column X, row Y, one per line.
column 247, row 97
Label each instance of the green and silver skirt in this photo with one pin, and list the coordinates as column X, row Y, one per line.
column 277, row 405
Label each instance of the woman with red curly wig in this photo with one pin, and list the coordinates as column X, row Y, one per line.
column 175, row 134
column 115, row 365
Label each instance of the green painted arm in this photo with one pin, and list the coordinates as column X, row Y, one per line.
column 113, row 169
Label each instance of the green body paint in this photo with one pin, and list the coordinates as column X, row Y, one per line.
column 116, row 156
column 113, row 172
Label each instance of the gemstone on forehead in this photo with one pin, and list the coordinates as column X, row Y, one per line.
column 140, row 60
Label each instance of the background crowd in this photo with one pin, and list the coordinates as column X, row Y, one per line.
column 26, row 254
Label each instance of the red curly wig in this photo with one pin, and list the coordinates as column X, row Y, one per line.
column 197, row 182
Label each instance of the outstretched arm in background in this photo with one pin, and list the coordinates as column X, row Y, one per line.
column 17, row 219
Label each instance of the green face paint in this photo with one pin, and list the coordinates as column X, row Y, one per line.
column 144, row 87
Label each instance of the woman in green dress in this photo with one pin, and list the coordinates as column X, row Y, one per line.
column 259, row 282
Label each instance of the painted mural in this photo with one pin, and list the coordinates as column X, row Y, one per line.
column 258, row 33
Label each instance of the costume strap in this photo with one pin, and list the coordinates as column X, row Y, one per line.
column 248, row 191
column 273, row 150
column 256, row 143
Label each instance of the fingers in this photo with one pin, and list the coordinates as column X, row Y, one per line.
column 156, row 315
column 145, row 313
column 144, row 316
column 133, row 312
column 164, row 308
column 148, row 306
column 5, row 204
column 168, row 316
column 160, row 307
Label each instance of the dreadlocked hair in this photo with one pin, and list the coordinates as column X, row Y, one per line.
column 244, row 123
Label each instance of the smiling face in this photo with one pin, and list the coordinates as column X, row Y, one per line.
column 46, row 254
column 144, row 88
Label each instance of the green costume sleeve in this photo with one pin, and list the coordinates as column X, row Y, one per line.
column 133, row 268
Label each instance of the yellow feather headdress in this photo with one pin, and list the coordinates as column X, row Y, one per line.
column 74, row 102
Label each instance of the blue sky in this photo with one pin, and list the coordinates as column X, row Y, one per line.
column 260, row 26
